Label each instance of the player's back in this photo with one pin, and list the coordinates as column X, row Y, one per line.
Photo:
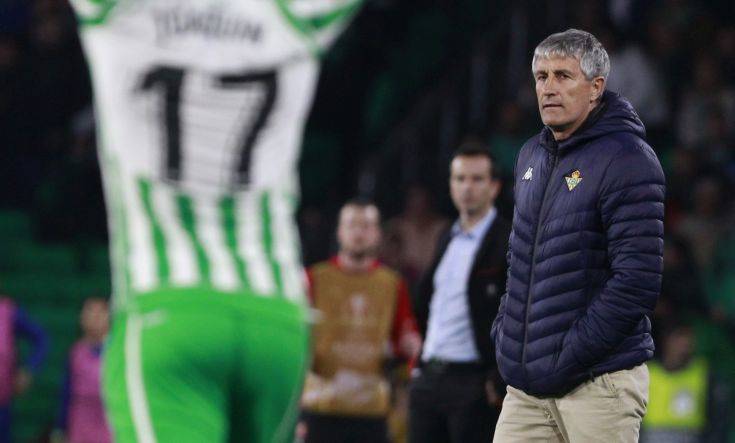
column 201, row 107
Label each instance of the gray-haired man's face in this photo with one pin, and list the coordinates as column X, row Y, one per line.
column 565, row 96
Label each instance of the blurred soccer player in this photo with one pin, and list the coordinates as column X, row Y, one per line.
column 586, row 255
column 201, row 106
column 363, row 305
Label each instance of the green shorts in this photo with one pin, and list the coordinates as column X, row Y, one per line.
column 187, row 366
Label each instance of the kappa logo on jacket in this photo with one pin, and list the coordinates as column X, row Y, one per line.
column 529, row 174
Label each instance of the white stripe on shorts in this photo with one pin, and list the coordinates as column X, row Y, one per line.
column 134, row 380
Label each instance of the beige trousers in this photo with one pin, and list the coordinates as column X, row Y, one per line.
column 606, row 409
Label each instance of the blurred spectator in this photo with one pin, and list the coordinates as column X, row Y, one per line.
column 78, row 175
column 508, row 137
column 703, row 227
column 635, row 76
column 627, row 15
column 411, row 237
column 588, row 15
column 718, row 142
column 675, row 14
column 684, row 168
column 681, row 286
column 720, row 281
column 708, row 92
column 10, row 54
column 12, row 101
column 455, row 394
column 42, row 81
column 726, row 51
column 54, row 48
column 16, row 379
column 361, row 305
column 82, row 415
column 14, row 15
column 679, row 392
column 663, row 43
column 682, row 294
column 49, row 84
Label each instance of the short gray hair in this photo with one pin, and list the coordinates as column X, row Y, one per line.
column 593, row 59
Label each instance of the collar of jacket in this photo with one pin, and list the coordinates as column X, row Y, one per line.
column 549, row 142
column 613, row 114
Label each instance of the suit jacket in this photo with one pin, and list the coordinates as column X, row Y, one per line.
column 485, row 286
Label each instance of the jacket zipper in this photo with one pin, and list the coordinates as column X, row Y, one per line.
column 533, row 264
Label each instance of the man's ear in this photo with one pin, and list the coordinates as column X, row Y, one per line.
column 598, row 87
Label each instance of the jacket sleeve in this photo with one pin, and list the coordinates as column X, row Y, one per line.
column 632, row 209
column 498, row 322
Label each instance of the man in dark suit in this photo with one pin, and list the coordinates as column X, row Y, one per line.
column 453, row 394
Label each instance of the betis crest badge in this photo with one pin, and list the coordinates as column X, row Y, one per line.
column 573, row 179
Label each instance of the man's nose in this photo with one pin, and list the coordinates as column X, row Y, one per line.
column 549, row 88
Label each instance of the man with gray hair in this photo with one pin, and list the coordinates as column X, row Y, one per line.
column 585, row 258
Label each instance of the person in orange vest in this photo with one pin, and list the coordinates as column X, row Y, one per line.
column 16, row 379
column 362, row 308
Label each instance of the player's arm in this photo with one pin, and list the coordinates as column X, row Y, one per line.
column 32, row 332
column 310, row 286
column 405, row 336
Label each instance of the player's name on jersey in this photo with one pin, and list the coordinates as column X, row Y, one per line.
column 212, row 22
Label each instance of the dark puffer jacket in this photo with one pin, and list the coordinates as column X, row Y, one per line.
column 586, row 254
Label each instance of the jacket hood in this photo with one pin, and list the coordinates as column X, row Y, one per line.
column 614, row 114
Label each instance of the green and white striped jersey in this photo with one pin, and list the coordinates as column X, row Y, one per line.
column 201, row 106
